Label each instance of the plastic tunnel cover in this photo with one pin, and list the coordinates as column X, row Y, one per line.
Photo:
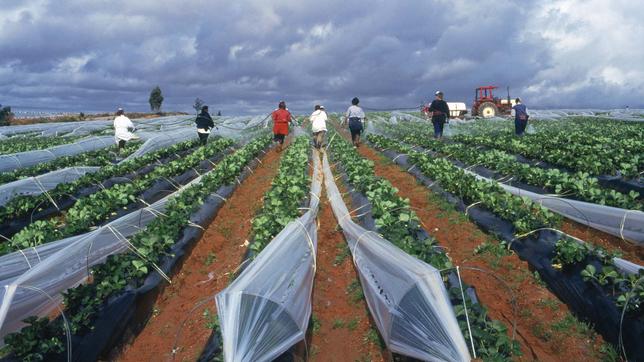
column 267, row 308
column 627, row 224
column 55, row 267
column 406, row 296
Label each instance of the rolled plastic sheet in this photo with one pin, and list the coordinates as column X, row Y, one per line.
column 406, row 296
column 266, row 310
column 20, row 160
column 623, row 223
column 42, row 183
column 33, row 279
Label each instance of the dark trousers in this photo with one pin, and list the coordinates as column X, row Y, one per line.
column 121, row 144
column 519, row 126
column 203, row 138
column 438, row 128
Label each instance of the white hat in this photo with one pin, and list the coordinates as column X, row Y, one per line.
column 438, row 93
column 321, row 107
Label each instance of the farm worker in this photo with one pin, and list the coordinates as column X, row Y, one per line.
column 520, row 114
column 439, row 111
column 318, row 125
column 122, row 127
column 356, row 117
column 281, row 118
column 204, row 125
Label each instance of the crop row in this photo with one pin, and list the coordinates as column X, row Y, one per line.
column 623, row 291
column 22, row 144
column 101, row 206
column 600, row 157
column 42, row 339
column 23, row 205
column 100, row 157
column 400, row 225
column 524, row 214
column 579, row 185
column 282, row 202
column 626, row 291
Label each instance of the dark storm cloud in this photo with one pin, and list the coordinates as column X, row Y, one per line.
column 244, row 56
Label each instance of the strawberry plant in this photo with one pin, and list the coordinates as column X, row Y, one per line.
column 101, row 206
column 93, row 158
column 579, row 185
column 400, row 225
column 288, row 189
column 524, row 214
column 125, row 270
column 21, row 144
column 21, row 206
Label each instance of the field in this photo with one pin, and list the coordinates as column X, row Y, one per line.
column 480, row 245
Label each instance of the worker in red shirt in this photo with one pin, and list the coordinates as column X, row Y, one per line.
column 281, row 118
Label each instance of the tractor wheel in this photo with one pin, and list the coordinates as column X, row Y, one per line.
column 488, row 110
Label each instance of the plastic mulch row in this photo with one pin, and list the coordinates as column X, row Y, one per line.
column 587, row 300
column 125, row 315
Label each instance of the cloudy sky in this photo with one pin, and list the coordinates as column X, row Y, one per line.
column 243, row 56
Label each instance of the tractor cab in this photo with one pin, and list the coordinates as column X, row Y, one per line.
column 486, row 105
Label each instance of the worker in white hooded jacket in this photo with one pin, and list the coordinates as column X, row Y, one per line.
column 122, row 126
column 318, row 125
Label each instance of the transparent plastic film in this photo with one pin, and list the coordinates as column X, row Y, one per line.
column 50, row 269
column 406, row 297
column 267, row 308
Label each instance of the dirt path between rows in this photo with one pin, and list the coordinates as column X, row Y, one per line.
column 205, row 272
column 344, row 331
column 544, row 328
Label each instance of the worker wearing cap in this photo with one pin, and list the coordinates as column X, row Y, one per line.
column 355, row 117
column 204, row 125
column 318, row 125
column 439, row 111
column 520, row 114
column 122, row 127
column 281, row 119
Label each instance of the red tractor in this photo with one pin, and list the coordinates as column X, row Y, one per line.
column 486, row 105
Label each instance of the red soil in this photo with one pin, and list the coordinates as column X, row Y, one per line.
column 536, row 307
column 344, row 322
column 205, row 272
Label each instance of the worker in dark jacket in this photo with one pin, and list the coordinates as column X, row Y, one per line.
column 439, row 111
column 520, row 113
column 204, row 125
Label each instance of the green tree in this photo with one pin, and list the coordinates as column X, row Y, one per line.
column 5, row 115
column 156, row 99
column 198, row 104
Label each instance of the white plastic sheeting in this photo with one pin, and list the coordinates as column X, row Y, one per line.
column 39, row 184
column 20, row 160
column 406, row 297
column 266, row 310
column 159, row 140
column 32, row 280
column 623, row 223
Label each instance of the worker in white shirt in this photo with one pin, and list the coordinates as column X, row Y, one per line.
column 356, row 117
column 318, row 125
column 122, row 127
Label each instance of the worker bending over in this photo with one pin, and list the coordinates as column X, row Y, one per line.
column 122, row 127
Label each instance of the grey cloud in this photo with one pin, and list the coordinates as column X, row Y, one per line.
column 244, row 56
